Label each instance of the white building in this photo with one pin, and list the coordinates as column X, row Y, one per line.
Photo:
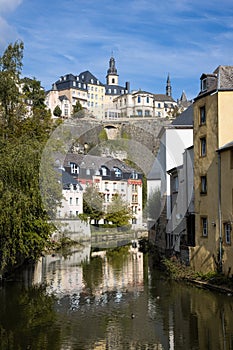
column 110, row 176
column 174, row 139
column 180, row 227
column 72, row 201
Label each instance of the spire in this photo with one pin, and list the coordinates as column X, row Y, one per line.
column 112, row 68
column 168, row 86
column 112, row 76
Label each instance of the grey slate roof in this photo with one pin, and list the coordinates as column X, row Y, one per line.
column 87, row 78
column 67, row 179
column 119, row 90
column 163, row 98
column 95, row 162
column 225, row 77
column 220, row 79
column 185, row 118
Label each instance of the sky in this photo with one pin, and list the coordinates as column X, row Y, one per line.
column 149, row 39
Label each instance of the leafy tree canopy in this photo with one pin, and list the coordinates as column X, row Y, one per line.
column 118, row 212
column 25, row 128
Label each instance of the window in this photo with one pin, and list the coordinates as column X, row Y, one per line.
column 203, row 84
column 113, row 81
column 118, row 172
column 147, row 112
column 77, row 201
column 104, row 171
column 227, row 232
column 114, row 186
column 202, row 115
column 134, row 175
column 139, row 112
column 106, row 186
column 147, row 99
column 139, row 99
column 134, row 188
column 70, row 200
column 134, row 198
column 175, row 184
column 88, row 172
column 159, row 105
column 204, row 227
column 74, row 169
column 203, row 184
column 203, row 147
column 74, row 83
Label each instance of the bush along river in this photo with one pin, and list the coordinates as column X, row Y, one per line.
column 110, row 299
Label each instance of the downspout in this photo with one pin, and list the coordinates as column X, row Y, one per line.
column 219, row 212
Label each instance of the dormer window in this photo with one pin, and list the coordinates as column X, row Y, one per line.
column 134, row 175
column 118, row 172
column 204, row 84
column 104, row 171
column 74, row 169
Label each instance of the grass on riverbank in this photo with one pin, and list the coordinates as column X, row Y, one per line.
column 178, row 271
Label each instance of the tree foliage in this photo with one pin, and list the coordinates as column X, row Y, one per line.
column 24, row 225
column 57, row 111
column 10, row 70
column 118, row 212
column 92, row 204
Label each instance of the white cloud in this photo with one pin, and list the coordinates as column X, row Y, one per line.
column 9, row 5
column 7, row 32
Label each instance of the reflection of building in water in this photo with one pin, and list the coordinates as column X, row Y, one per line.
column 62, row 275
column 127, row 277
column 73, row 274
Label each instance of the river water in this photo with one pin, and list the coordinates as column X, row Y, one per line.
column 109, row 300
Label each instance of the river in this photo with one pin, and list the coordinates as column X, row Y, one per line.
column 111, row 299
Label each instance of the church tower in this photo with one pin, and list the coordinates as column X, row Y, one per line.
column 112, row 76
column 168, row 87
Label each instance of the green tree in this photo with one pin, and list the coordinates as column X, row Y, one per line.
column 57, row 111
column 78, row 111
column 24, row 224
column 118, row 212
column 92, row 204
column 10, row 70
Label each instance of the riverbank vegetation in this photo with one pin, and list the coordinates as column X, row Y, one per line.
column 26, row 125
column 176, row 270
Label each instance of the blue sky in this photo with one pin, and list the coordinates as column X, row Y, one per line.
column 149, row 39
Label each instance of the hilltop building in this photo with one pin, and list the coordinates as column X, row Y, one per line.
column 109, row 100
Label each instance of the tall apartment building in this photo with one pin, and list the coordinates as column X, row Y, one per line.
column 110, row 176
column 213, row 187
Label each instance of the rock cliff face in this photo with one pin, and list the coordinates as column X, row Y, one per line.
column 142, row 132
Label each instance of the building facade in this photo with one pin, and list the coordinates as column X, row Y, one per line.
column 213, row 124
column 110, row 177
column 72, row 201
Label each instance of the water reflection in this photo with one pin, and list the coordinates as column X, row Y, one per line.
column 95, row 296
